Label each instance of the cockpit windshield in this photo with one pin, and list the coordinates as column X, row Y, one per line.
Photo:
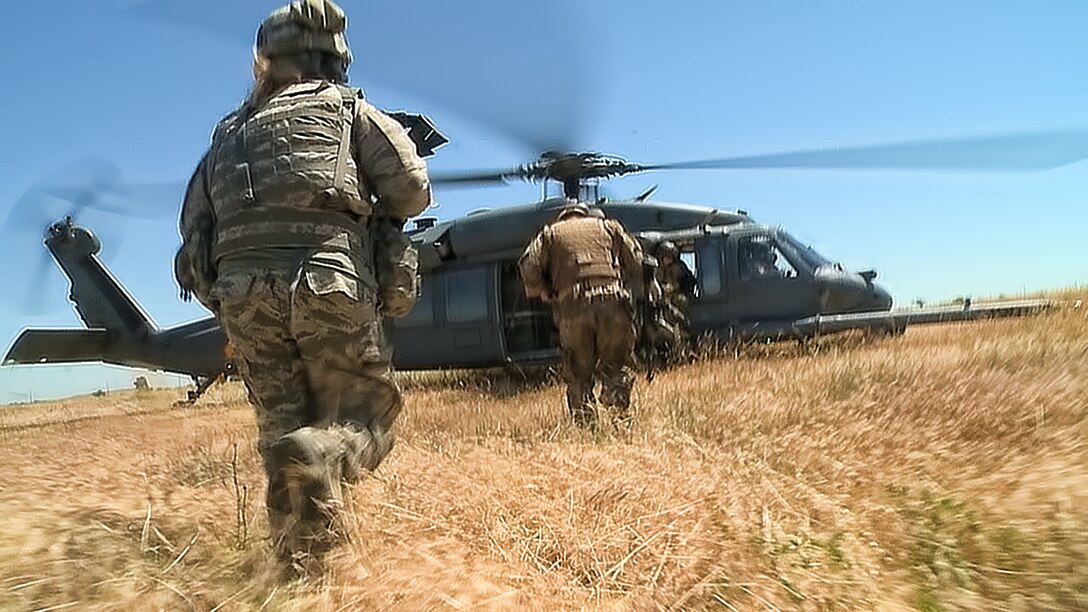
column 812, row 259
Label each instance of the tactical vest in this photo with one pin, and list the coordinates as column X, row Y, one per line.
column 582, row 258
column 285, row 176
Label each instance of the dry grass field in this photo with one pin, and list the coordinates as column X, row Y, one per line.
column 946, row 469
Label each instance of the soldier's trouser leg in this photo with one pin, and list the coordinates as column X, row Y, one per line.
column 353, row 398
column 615, row 339
column 348, row 371
column 579, row 359
column 680, row 326
column 327, row 416
column 255, row 314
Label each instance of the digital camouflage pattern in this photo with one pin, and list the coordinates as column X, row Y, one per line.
column 288, row 154
column 312, row 353
column 396, row 267
column 678, row 289
column 304, row 26
column 391, row 176
column 277, row 241
column 194, row 268
column 590, row 271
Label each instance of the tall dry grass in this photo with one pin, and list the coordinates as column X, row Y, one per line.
column 945, row 469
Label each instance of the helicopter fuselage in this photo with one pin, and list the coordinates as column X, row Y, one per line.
column 473, row 312
column 752, row 280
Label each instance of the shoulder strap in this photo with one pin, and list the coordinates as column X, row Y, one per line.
column 347, row 101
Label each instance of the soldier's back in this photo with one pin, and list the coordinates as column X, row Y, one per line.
column 581, row 252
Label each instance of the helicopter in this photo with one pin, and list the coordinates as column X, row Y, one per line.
column 472, row 311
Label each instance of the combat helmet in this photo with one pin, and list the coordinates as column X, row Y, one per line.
column 303, row 26
column 573, row 209
column 667, row 248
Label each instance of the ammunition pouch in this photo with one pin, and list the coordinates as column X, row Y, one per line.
column 396, row 267
column 194, row 268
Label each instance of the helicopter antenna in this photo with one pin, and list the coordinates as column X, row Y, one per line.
column 645, row 195
column 708, row 219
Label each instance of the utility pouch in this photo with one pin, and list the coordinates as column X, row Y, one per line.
column 396, row 267
column 195, row 269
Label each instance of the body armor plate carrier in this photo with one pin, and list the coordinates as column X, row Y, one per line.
column 284, row 175
column 583, row 260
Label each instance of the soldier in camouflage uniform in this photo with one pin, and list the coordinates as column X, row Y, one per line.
column 676, row 280
column 678, row 289
column 590, row 270
column 279, row 229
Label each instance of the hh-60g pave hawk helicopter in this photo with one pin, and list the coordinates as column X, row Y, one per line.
column 472, row 311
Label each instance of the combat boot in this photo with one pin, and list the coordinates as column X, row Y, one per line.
column 305, row 494
column 364, row 450
column 582, row 407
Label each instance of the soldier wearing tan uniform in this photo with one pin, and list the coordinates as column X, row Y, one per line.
column 282, row 218
column 678, row 288
column 676, row 280
column 590, row 271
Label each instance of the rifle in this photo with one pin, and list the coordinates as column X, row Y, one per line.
column 421, row 130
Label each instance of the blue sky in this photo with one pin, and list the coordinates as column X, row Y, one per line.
column 141, row 84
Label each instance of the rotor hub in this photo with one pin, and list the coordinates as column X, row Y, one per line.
column 60, row 229
column 573, row 169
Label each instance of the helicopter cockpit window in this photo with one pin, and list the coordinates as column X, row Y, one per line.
column 760, row 258
column 466, row 296
column 811, row 258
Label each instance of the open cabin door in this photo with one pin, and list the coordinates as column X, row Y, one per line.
column 705, row 257
column 529, row 333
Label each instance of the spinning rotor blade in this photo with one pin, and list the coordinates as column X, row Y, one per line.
column 25, row 275
column 477, row 178
column 135, row 200
column 34, row 300
column 1010, row 153
column 95, row 184
column 89, row 191
column 525, row 91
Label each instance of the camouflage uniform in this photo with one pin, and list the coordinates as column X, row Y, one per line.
column 589, row 270
column 678, row 288
column 278, row 228
column 676, row 280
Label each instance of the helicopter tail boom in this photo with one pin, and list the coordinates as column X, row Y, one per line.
column 97, row 295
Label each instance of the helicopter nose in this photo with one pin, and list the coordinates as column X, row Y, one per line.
column 880, row 298
column 844, row 292
column 869, row 295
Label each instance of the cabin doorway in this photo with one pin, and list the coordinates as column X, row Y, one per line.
column 528, row 330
